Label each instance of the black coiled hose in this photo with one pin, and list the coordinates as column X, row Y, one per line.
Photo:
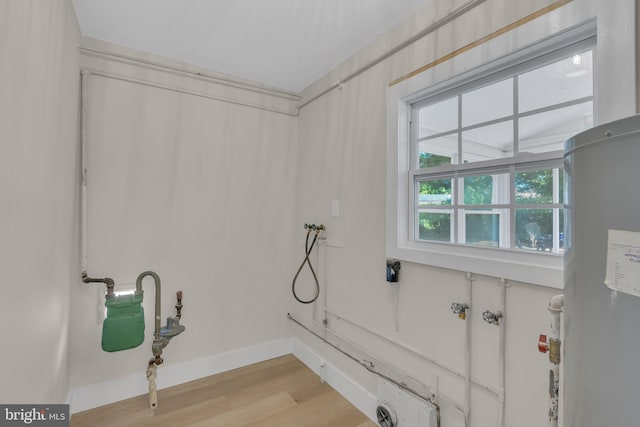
column 307, row 250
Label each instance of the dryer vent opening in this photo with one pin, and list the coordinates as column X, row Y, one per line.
column 400, row 408
column 386, row 416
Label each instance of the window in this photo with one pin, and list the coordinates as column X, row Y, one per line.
column 476, row 163
column 487, row 154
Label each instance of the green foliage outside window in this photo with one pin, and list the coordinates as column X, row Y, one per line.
column 434, row 226
column 478, row 190
column 428, row 160
column 534, row 227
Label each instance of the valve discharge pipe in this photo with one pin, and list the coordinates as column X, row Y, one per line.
column 552, row 346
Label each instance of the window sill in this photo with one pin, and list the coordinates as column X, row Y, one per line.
column 543, row 269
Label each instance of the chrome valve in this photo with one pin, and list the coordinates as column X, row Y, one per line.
column 314, row 227
column 460, row 310
column 492, row 318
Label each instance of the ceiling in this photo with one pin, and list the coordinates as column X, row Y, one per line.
column 287, row 44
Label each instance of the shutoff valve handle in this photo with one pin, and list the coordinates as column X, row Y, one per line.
column 543, row 346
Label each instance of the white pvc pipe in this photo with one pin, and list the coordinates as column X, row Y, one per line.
column 199, row 94
column 152, row 373
column 467, row 350
column 323, row 244
column 322, row 250
column 502, row 308
column 467, row 376
column 556, row 306
column 83, row 168
column 449, row 17
column 371, row 367
column 187, row 72
column 400, row 345
column 396, row 308
column 428, row 358
column 555, row 309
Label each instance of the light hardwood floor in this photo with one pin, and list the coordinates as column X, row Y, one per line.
column 281, row 392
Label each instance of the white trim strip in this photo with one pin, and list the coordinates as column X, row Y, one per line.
column 362, row 399
column 117, row 389
column 187, row 91
column 198, row 75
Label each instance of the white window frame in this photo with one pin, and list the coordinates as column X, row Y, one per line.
column 508, row 168
column 542, row 269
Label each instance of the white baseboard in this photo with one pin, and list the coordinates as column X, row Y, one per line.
column 359, row 397
column 118, row 389
column 95, row 395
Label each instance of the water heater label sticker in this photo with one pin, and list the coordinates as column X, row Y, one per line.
column 623, row 262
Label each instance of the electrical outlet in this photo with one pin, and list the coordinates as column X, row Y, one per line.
column 335, row 208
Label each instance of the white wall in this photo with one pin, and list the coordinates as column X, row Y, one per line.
column 219, row 211
column 342, row 155
column 187, row 177
column 39, row 82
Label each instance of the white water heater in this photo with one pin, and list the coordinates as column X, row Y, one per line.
column 602, row 277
